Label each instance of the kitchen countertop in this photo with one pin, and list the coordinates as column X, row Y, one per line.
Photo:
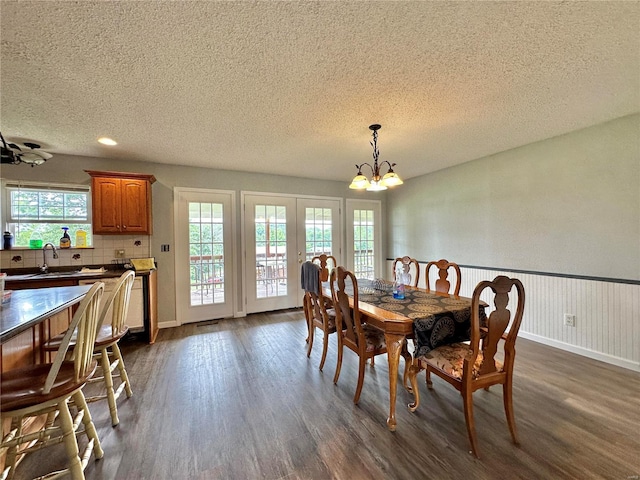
column 31, row 306
column 33, row 275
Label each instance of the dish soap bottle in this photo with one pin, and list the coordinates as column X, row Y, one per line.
column 81, row 239
column 35, row 241
column 65, row 240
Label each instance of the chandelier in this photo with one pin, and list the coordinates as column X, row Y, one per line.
column 378, row 182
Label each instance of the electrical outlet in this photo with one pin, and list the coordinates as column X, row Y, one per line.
column 569, row 320
column 120, row 253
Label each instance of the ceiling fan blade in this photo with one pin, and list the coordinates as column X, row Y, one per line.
column 34, row 156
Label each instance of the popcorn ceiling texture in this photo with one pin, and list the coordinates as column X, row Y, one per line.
column 281, row 86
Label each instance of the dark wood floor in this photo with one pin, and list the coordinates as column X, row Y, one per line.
column 239, row 399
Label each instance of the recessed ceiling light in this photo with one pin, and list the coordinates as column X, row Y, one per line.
column 107, row 141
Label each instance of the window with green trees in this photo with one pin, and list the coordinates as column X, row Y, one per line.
column 38, row 212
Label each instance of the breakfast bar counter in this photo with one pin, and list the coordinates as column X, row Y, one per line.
column 28, row 308
column 30, row 318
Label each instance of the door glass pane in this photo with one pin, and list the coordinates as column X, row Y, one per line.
column 271, row 250
column 363, row 243
column 318, row 231
column 206, row 253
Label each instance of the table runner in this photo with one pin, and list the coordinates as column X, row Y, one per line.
column 437, row 319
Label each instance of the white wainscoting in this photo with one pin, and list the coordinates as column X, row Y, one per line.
column 607, row 313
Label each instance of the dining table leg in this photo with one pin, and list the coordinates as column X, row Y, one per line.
column 394, row 347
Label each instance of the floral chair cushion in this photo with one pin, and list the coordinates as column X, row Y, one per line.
column 374, row 338
column 331, row 313
column 450, row 359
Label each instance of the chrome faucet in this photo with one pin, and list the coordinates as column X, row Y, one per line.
column 44, row 268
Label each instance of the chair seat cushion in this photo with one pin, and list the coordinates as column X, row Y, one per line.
column 331, row 313
column 450, row 359
column 22, row 387
column 374, row 338
column 319, row 322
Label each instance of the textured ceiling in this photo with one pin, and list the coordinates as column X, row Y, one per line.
column 291, row 87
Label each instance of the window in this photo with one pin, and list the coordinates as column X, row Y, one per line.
column 39, row 211
column 318, row 231
column 206, row 252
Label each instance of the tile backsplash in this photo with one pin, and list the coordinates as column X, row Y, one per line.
column 102, row 252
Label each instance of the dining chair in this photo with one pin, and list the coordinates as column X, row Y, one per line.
column 47, row 389
column 442, row 283
column 319, row 313
column 112, row 328
column 407, row 263
column 363, row 339
column 470, row 367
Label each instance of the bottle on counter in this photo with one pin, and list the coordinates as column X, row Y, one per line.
column 81, row 239
column 7, row 243
column 35, row 241
column 65, row 240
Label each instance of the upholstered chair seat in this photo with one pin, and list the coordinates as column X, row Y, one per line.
column 450, row 359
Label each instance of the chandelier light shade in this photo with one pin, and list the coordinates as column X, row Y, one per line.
column 378, row 182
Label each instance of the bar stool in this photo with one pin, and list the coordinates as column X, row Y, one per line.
column 115, row 309
column 47, row 389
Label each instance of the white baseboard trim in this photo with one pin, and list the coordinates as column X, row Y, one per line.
column 168, row 324
column 175, row 323
column 620, row 362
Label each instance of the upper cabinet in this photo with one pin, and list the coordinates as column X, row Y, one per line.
column 121, row 202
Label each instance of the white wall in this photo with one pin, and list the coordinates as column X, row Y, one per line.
column 569, row 206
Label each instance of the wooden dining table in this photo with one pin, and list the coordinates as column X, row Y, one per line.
column 428, row 317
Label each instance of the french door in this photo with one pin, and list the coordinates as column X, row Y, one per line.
column 204, row 262
column 280, row 233
column 364, row 239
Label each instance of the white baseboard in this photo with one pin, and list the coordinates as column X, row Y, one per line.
column 620, row 362
column 168, row 324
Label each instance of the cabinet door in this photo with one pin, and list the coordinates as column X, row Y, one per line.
column 106, row 205
column 135, row 206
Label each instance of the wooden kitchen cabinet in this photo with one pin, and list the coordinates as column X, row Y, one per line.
column 121, row 202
